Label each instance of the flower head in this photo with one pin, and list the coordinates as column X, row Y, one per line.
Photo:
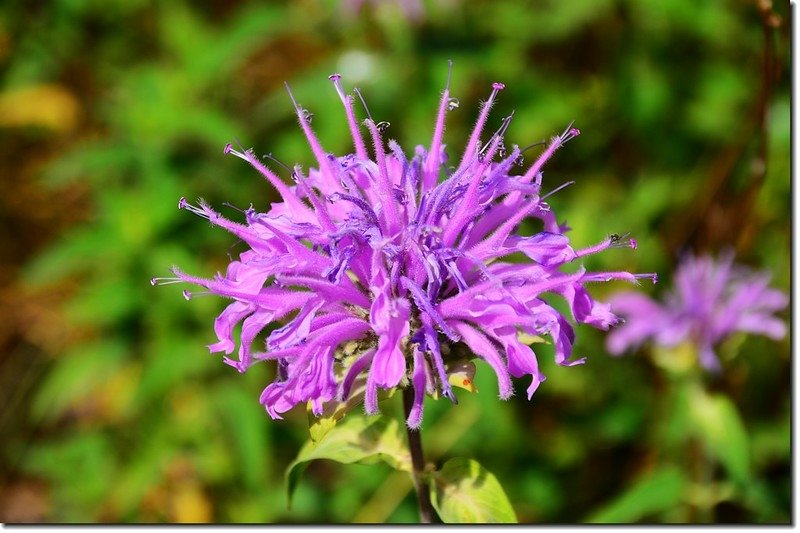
column 411, row 9
column 710, row 301
column 377, row 269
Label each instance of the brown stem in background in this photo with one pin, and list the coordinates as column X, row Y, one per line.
column 427, row 514
column 769, row 22
column 718, row 216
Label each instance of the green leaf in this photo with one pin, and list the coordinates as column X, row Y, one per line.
column 81, row 468
column 660, row 491
column 718, row 424
column 246, row 430
column 464, row 492
column 75, row 376
column 357, row 439
column 335, row 410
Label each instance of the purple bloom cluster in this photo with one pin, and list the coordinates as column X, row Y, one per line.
column 376, row 252
column 412, row 9
column 710, row 301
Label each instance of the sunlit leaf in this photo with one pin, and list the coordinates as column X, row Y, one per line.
column 357, row 439
column 334, row 410
column 464, row 492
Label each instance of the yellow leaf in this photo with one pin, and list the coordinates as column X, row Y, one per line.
column 48, row 106
column 190, row 505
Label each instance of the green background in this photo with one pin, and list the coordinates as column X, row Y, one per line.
column 112, row 409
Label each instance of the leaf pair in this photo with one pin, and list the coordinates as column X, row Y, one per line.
column 462, row 491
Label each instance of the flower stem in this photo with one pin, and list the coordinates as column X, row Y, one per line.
column 426, row 513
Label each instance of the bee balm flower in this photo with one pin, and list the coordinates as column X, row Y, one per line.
column 711, row 300
column 371, row 250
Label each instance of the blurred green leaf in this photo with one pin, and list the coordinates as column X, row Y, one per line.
column 464, row 492
column 76, row 251
column 357, row 439
column 659, row 491
column 82, row 469
column 143, row 468
column 245, row 421
column 169, row 361
column 716, row 421
column 77, row 374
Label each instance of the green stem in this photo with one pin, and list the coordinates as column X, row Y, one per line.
column 427, row 514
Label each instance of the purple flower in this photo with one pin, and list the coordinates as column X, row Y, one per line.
column 412, row 9
column 376, row 253
column 710, row 301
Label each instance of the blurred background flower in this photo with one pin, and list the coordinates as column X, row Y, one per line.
column 711, row 300
column 109, row 111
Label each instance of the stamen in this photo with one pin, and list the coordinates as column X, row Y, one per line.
column 430, row 175
column 347, row 101
column 474, row 139
column 449, row 74
column 622, row 241
column 540, row 143
column 304, row 117
column 363, row 102
column 202, row 210
column 612, row 241
column 623, row 276
column 501, row 131
column 276, row 160
column 559, row 188
column 385, row 186
column 288, row 196
column 337, row 83
column 555, row 143
column 569, row 133
column 241, row 153
column 320, row 208
column 228, row 204
column 291, row 97
column 653, row 276
column 165, row 281
column 464, row 210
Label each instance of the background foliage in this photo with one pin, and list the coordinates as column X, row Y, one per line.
column 112, row 110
